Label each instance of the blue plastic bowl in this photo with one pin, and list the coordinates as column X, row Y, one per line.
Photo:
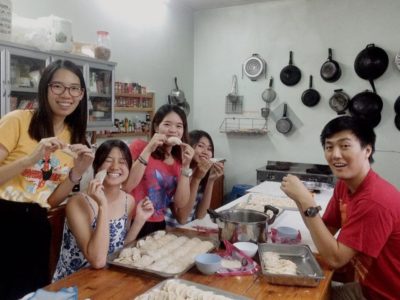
column 208, row 263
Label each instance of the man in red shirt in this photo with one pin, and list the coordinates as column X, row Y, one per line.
column 364, row 207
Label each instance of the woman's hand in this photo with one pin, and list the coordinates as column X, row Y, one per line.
column 217, row 170
column 144, row 209
column 45, row 145
column 156, row 141
column 202, row 168
column 296, row 190
column 187, row 155
column 95, row 191
column 84, row 159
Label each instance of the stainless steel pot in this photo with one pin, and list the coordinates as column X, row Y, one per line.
column 243, row 225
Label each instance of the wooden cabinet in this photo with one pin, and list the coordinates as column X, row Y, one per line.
column 56, row 217
column 135, row 111
column 218, row 193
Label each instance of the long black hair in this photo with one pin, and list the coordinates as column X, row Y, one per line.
column 159, row 116
column 104, row 150
column 41, row 125
column 194, row 138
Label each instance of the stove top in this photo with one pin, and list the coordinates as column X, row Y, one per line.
column 276, row 170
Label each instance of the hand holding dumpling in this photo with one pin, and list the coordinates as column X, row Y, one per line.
column 144, row 209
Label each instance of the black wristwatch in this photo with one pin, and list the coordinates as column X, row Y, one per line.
column 312, row 211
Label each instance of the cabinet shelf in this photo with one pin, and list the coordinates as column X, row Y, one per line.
column 120, row 134
column 135, row 95
column 132, row 109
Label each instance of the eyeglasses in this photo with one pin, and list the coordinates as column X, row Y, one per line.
column 59, row 89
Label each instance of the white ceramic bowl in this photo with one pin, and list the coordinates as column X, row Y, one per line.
column 208, row 263
column 248, row 248
column 287, row 232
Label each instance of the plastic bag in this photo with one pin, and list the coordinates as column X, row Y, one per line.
column 275, row 238
column 45, row 33
column 231, row 253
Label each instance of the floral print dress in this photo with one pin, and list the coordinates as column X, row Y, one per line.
column 71, row 258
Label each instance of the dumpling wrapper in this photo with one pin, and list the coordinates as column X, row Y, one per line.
column 101, row 175
column 173, row 140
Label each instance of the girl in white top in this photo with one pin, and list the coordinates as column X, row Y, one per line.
column 99, row 223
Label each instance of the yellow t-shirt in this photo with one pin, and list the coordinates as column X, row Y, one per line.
column 36, row 183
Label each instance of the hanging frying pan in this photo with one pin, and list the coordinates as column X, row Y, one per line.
column 366, row 104
column 371, row 63
column 339, row 101
column 397, row 121
column 310, row 97
column 254, row 67
column 290, row 75
column 371, row 120
column 330, row 70
column 177, row 95
column 284, row 124
column 397, row 106
column 269, row 94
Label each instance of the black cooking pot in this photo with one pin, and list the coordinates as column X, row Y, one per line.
column 397, row 121
column 366, row 104
column 371, row 63
column 330, row 70
column 370, row 120
column 397, row 106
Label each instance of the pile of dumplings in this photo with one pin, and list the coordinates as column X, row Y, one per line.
column 258, row 201
column 173, row 289
column 274, row 264
column 164, row 252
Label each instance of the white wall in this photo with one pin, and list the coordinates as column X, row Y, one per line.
column 225, row 37
column 150, row 48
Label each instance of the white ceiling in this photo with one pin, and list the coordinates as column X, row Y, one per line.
column 209, row 4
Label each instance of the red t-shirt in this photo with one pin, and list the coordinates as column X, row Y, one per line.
column 158, row 183
column 370, row 224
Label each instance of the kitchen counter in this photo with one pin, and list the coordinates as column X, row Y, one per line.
column 291, row 218
column 119, row 283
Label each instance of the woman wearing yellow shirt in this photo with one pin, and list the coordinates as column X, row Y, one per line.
column 35, row 174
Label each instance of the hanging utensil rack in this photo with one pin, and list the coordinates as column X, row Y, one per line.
column 244, row 126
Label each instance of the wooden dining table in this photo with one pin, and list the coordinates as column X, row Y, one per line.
column 113, row 282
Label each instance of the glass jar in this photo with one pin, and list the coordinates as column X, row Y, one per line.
column 102, row 50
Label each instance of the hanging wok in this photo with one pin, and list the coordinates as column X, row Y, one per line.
column 330, row 70
column 290, row 75
column 371, row 63
column 366, row 104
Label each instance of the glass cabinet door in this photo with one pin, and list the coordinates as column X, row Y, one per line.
column 100, row 90
column 23, row 74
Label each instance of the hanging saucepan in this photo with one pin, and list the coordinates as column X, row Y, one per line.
column 290, row 75
column 397, row 106
column 330, row 70
column 371, row 63
column 284, row 124
column 397, row 121
column 243, row 225
column 177, row 95
column 310, row 97
column 254, row 67
column 366, row 104
column 397, row 60
column 339, row 101
column 269, row 94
